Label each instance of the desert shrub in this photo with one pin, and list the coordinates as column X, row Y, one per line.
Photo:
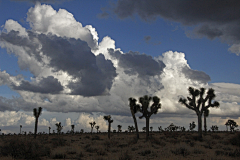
column 96, row 138
column 219, row 152
column 235, row 153
column 133, row 140
column 146, row 152
column 198, row 151
column 58, row 142
column 216, row 136
column 158, row 142
column 101, row 152
column 87, row 137
column 181, row 151
column 235, row 140
column 59, row 156
column 26, row 149
column 125, row 156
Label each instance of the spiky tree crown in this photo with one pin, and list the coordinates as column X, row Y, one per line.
column 108, row 118
column 36, row 112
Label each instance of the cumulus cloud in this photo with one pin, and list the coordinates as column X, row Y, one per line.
column 211, row 19
column 75, row 72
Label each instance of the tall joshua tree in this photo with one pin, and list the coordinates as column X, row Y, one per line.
column 36, row 114
column 59, row 127
column 108, row 118
column 49, row 128
column 145, row 102
column 92, row 125
column 134, row 109
column 199, row 104
column 205, row 115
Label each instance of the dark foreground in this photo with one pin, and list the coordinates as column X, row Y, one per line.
column 122, row 146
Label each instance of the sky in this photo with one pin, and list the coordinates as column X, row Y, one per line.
column 80, row 60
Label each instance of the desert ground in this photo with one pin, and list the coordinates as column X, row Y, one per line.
column 122, row 146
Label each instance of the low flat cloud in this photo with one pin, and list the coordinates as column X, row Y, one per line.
column 211, row 19
column 45, row 85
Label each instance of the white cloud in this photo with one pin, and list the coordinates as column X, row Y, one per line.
column 57, row 46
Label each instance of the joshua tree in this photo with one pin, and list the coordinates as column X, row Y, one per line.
column 131, row 128
column 144, row 129
column 214, row 128
column 36, row 114
column 151, row 128
column 205, row 115
column 92, row 125
column 199, row 105
column 72, row 128
column 108, row 118
column 97, row 127
column 49, row 128
column 82, row 131
column 232, row 124
column 59, row 127
column 160, row 129
column 145, row 102
column 119, row 128
column 192, row 126
column 172, row 127
column 182, row 129
column 20, row 128
column 134, row 109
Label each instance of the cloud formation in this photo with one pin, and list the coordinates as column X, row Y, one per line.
column 211, row 19
column 74, row 71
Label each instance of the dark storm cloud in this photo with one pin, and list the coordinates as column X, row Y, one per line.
column 136, row 63
column 211, row 18
column 93, row 74
column 46, row 85
column 196, row 75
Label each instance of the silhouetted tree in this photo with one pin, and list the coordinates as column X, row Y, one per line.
column 134, row 109
column 205, row 115
column 36, row 114
column 108, row 118
column 232, row 124
column 214, row 128
column 131, row 128
column 199, row 105
column 144, row 129
column 151, row 128
column 192, row 126
column 119, row 128
column 59, row 127
column 145, row 102
column 97, row 127
column 20, row 129
column 49, row 128
column 92, row 125
column 72, row 128
column 160, row 129
column 182, row 129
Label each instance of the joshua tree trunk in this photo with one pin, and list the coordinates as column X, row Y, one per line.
column 199, row 125
column 135, row 123
column 109, row 127
column 205, row 123
column 35, row 131
column 147, row 127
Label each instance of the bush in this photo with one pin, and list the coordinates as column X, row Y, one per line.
column 181, row 151
column 24, row 149
column 235, row 140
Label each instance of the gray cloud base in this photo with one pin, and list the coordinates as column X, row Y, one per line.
column 213, row 19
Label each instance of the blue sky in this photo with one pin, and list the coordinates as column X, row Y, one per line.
column 172, row 41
